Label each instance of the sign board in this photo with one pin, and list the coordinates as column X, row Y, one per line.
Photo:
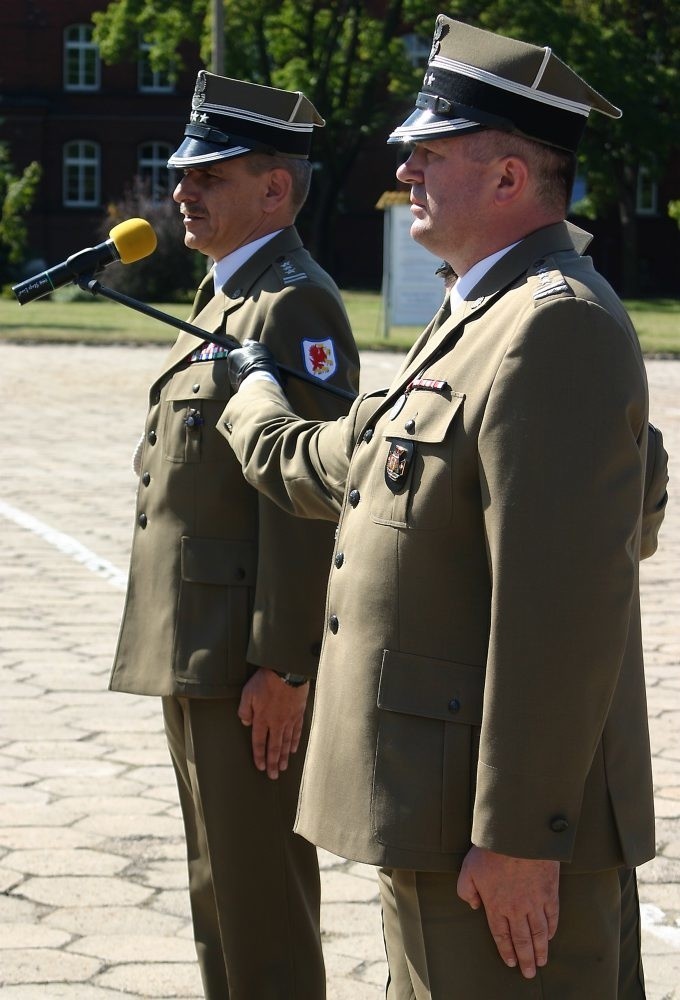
column 412, row 292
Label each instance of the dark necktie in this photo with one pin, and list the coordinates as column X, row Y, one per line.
column 204, row 293
column 442, row 316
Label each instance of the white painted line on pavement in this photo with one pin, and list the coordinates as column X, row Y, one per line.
column 66, row 544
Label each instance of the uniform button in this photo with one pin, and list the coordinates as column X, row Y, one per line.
column 558, row 824
column 152, row 437
column 454, row 706
column 142, row 520
column 228, row 426
column 354, row 498
column 410, row 426
column 368, row 434
column 195, row 387
column 146, row 478
column 334, row 624
column 339, row 559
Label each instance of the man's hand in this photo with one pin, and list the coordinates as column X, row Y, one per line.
column 275, row 711
column 521, row 900
column 250, row 357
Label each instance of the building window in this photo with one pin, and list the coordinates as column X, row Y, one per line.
column 81, row 59
column 151, row 80
column 647, row 192
column 81, row 174
column 152, row 167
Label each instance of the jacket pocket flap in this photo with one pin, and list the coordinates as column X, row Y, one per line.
column 219, row 562
column 434, row 689
column 425, row 416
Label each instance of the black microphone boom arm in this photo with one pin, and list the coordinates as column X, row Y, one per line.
column 90, row 284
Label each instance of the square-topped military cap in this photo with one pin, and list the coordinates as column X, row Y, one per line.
column 232, row 117
column 476, row 79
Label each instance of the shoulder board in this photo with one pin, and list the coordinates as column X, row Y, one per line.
column 289, row 271
column 546, row 280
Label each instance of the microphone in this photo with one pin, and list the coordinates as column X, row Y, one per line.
column 128, row 241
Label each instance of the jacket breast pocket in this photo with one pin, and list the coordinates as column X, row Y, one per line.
column 214, row 611
column 429, row 720
column 192, row 405
column 411, row 483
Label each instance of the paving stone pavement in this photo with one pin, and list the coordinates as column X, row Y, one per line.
column 93, row 902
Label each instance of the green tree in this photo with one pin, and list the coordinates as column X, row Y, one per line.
column 348, row 57
column 17, row 192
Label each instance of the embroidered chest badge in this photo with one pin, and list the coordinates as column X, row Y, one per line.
column 319, row 358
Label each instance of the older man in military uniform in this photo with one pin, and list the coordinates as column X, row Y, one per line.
column 224, row 610
column 480, row 730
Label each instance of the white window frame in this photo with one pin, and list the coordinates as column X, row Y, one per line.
column 78, row 41
column 153, row 168
column 647, row 192
column 158, row 81
column 83, row 157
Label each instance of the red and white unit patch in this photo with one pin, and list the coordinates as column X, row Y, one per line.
column 319, row 357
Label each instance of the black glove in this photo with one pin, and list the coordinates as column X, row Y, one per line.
column 250, row 357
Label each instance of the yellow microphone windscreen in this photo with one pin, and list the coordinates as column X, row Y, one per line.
column 133, row 239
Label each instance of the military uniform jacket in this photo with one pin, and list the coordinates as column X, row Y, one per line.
column 221, row 580
column 481, row 675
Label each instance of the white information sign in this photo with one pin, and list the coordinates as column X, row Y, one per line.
column 412, row 292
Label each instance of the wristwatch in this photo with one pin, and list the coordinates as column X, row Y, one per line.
column 292, row 680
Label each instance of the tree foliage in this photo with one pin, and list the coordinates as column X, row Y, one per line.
column 348, row 57
column 17, row 192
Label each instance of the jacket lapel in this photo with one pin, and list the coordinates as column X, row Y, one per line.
column 211, row 311
column 210, row 319
column 514, row 264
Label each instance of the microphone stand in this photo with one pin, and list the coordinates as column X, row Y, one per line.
column 88, row 283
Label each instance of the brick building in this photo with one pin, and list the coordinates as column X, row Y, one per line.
column 92, row 127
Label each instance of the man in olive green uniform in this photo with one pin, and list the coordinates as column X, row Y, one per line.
column 224, row 611
column 480, row 729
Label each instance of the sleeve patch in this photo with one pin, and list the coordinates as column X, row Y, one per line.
column 319, row 358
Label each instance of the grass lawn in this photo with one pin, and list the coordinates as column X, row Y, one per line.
column 98, row 321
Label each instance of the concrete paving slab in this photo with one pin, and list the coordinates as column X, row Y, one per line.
column 155, row 979
column 93, row 900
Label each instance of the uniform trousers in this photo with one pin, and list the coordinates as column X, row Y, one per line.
column 253, row 883
column 631, row 975
column 440, row 949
